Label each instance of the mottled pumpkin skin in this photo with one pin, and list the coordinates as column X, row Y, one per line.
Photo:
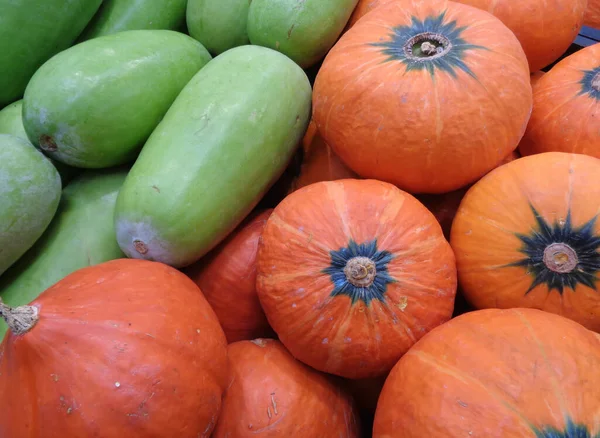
column 319, row 162
column 518, row 373
column 426, row 124
column 123, row 348
column 227, row 278
column 545, row 28
column 323, row 319
column 592, row 14
column 510, row 225
column 566, row 107
column 272, row 395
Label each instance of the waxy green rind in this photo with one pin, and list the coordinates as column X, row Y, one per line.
column 219, row 25
column 31, row 32
column 304, row 30
column 11, row 122
column 225, row 140
column 121, row 15
column 30, row 190
column 81, row 234
column 95, row 104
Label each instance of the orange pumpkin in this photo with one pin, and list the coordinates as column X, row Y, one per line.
column 566, row 107
column 535, row 77
column 362, row 8
column 227, row 277
column 592, row 14
column 320, row 163
column 416, row 94
column 518, row 373
column 123, row 348
column 351, row 273
column 545, row 28
column 527, row 235
column 271, row 394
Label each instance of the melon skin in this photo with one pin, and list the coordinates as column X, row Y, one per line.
column 11, row 122
column 121, row 15
column 95, row 104
column 219, row 25
column 81, row 234
column 30, row 190
column 31, row 32
column 303, row 30
column 223, row 143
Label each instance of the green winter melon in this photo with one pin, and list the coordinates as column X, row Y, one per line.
column 304, row 30
column 222, row 144
column 30, row 190
column 33, row 31
column 81, row 234
column 95, row 104
column 219, row 25
column 11, row 122
column 120, row 15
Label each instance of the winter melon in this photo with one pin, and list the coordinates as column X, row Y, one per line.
column 33, row 31
column 95, row 104
column 81, row 234
column 30, row 190
column 224, row 141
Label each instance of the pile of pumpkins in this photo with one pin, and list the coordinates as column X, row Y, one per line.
column 238, row 219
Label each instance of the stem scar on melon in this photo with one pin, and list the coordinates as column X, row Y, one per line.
column 47, row 143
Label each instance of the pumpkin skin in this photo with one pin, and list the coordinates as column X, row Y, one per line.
column 545, row 28
column 592, row 14
column 271, row 394
column 319, row 162
column 566, row 107
column 526, row 235
column 227, row 278
column 535, row 376
column 363, row 7
column 123, row 348
column 351, row 273
column 417, row 121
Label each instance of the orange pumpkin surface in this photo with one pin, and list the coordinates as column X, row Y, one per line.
column 123, row 348
column 518, row 373
column 527, row 235
column 592, row 14
column 320, row 163
column 351, row 273
column 362, row 8
column 227, row 277
column 545, row 28
column 416, row 94
column 566, row 107
column 271, row 394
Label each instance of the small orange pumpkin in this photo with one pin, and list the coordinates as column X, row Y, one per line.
column 123, row 348
column 271, row 394
column 592, row 14
column 527, row 235
column 518, row 373
column 351, row 273
column 416, row 94
column 566, row 107
column 227, row 277
column 319, row 163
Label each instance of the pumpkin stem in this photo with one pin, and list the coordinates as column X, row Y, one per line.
column 596, row 82
column 560, row 257
column 427, row 45
column 360, row 271
column 19, row 319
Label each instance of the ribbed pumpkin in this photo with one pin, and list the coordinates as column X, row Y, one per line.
column 227, row 278
column 126, row 348
column 351, row 273
column 527, row 235
column 566, row 107
column 592, row 14
column 319, row 162
column 518, row 373
column 545, row 28
column 428, row 96
column 271, row 394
